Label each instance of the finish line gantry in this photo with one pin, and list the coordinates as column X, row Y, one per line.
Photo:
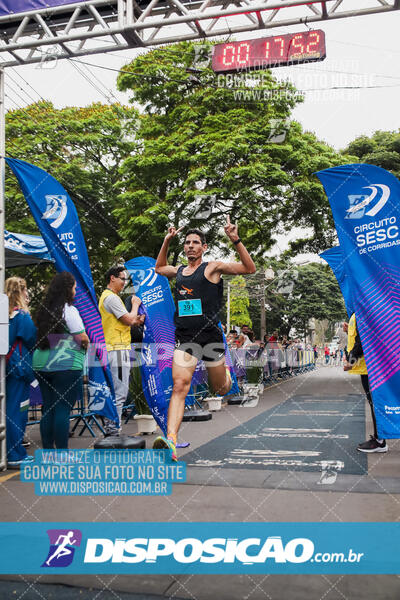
column 98, row 26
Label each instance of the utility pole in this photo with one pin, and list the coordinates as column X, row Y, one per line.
column 263, row 327
column 228, row 310
column 266, row 275
column 3, row 297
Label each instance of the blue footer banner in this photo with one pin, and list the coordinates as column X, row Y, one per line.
column 213, row 548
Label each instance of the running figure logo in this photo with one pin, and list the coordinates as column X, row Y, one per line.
column 56, row 209
column 360, row 202
column 62, row 547
column 184, row 290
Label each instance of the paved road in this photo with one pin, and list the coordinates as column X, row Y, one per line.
column 374, row 496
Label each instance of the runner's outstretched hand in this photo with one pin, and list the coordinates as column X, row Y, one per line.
column 172, row 232
column 231, row 230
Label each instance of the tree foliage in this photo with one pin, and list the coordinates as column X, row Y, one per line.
column 205, row 147
column 381, row 149
column 239, row 302
column 295, row 295
column 83, row 148
column 316, row 294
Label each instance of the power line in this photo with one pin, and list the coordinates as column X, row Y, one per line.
column 21, row 88
column 351, row 87
column 92, row 83
column 303, row 68
column 112, row 95
column 365, row 46
column 119, row 70
column 27, row 83
column 244, row 88
column 16, row 93
column 94, row 86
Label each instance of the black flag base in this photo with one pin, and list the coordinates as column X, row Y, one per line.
column 235, row 400
column 196, row 414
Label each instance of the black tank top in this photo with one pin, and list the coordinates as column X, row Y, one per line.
column 197, row 287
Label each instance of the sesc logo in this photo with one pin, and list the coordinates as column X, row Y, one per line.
column 141, row 278
column 62, row 547
column 360, row 202
column 191, row 550
column 56, row 209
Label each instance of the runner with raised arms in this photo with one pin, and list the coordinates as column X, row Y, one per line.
column 198, row 300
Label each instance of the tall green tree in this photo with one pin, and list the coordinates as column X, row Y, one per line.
column 83, row 148
column 381, row 149
column 206, row 152
column 302, row 293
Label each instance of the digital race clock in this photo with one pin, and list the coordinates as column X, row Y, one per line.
column 268, row 52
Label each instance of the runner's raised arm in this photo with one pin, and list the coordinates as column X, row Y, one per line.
column 246, row 264
column 162, row 266
column 198, row 335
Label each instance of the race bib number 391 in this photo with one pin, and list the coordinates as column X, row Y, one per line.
column 190, row 308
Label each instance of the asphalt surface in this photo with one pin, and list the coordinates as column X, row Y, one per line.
column 242, row 494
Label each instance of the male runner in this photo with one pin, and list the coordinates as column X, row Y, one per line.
column 198, row 299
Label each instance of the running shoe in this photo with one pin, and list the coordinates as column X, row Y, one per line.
column 372, row 445
column 163, row 443
column 17, row 464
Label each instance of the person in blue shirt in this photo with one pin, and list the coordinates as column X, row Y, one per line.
column 22, row 338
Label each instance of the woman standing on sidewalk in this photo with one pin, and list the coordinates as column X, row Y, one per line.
column 58, row 361
column 19, row 374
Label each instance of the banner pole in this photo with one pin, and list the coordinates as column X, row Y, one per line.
column 2, row 272
column 228, row 317
column 2, row 180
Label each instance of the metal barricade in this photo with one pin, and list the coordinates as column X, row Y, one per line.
column 275, row 363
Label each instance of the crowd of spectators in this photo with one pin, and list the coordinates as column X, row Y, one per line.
column 246, row 339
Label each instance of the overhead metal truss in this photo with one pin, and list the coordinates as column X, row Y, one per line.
column 98, row 26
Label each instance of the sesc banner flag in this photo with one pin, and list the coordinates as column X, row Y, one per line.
column 335, row 259
column 57, row 220
column 24, row 249
column 365, row 202
column 159, row 339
